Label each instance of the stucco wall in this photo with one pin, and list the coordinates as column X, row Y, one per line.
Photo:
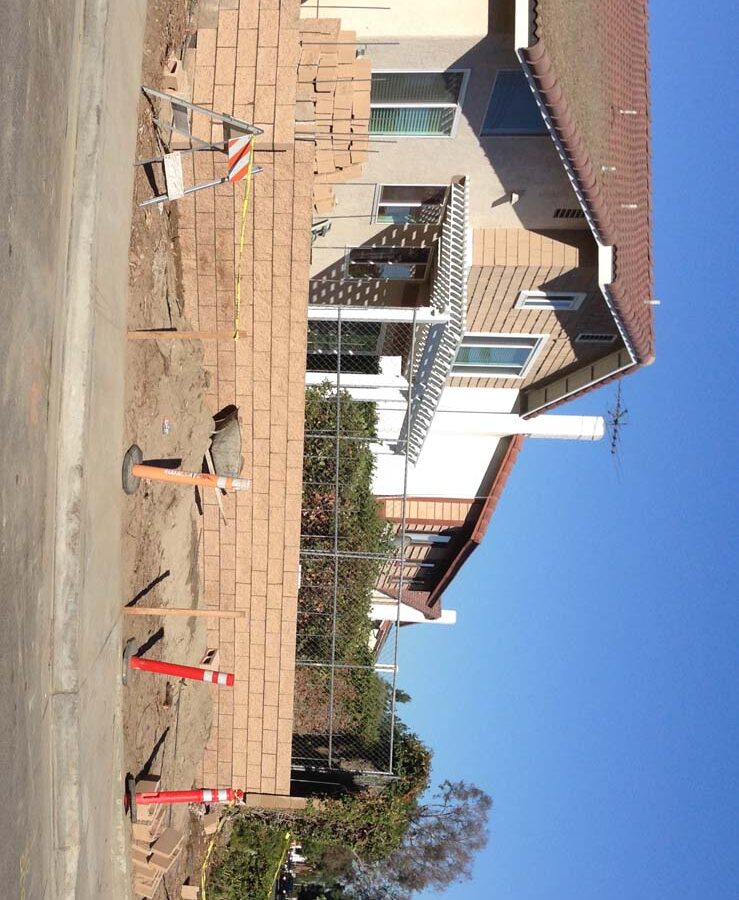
column 432, row 18
column 495, row 165
column 458, row 431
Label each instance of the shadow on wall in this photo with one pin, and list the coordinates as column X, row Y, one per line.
column 334, row 286
column 593, row 316
column 526, row 165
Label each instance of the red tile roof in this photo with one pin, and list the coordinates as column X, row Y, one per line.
column 590, row 66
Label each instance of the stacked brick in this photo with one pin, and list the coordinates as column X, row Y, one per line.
column 154, row 848
column 245, row 64
column 333, row 102
column 425, row 511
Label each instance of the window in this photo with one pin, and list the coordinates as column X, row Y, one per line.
column 512, row 108
column 423, row 537
column 404, row 204
column 360, row 347
column 496, row 355
column 415, row 104
column 388, row 263
column 588, row 337
column 427, row 537
column 552, row 300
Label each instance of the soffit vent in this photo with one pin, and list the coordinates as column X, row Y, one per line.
column 565, row 213
column 591, row 337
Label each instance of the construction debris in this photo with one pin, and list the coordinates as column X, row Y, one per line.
column 210, row 822
column 154, row 848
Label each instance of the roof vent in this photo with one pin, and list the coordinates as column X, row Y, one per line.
column 564, row 213
column 590, row 337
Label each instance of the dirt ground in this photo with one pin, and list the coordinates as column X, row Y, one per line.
column 166, row 722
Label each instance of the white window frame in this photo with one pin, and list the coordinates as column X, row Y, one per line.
column 484, row 338
column 510, row 134
column 460, row 101
column 378, row 196
column 427, row 265
column 543, row 300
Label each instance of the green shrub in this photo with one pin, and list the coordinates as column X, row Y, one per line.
column 342, row 595
column 246, row 865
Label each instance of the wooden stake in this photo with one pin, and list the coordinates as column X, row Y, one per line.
column 181, row 335
column 173, row 611
column 212, row 466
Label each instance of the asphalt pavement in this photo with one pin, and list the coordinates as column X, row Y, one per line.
column 36, row 40
column 69, row 89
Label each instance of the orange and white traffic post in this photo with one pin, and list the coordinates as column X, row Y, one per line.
column 134, row 469
column 133, row 798
column 175, row 670
column 198, row 795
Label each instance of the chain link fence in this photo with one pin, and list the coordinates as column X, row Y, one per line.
column 360, row 385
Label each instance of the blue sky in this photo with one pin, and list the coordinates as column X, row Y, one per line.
column 591, row 684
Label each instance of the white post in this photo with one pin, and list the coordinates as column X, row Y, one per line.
column 572, row 428
column 387, row 611
column 420, row 315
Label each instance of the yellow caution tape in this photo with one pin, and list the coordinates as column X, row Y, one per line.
column 286, row 840
column 244, row 212
column 208, row 853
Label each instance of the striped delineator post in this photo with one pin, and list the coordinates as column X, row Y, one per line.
column 134, row 470
column 193, row 673
column 203, row 479
column 199, row 795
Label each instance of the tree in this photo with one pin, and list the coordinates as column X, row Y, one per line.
column 371, row 882
column 437, row 849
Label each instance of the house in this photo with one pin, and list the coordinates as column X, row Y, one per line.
column 484, row 240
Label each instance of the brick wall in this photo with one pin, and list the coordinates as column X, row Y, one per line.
column 426, row 510
column 245, row 64
column 506, row 261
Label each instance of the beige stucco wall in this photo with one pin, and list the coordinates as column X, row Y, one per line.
column 495, row 166
column 431, row 18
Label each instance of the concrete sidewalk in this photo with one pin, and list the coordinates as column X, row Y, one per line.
column 86, row 790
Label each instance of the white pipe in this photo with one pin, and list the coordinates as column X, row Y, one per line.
column 573, row 428
column 382, row 611
column 419, row 315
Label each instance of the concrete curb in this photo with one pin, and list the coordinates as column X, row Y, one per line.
column 70, row 495
column 72, row 516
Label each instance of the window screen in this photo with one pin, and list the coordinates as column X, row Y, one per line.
column 392, row 263
column 501, row 356
column 416, row 87
column 403, row 204
column 414, row 103
column 512, row 108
